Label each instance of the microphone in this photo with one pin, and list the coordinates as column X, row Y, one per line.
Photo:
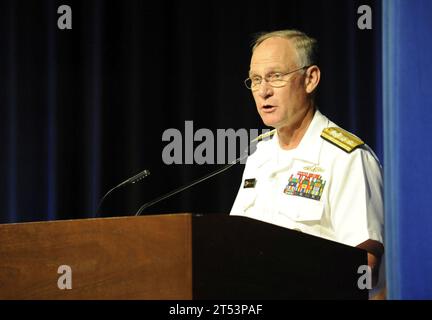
column 132, row 180
column 208, row 176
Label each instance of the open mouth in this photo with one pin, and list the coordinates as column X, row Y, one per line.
column 268, row 108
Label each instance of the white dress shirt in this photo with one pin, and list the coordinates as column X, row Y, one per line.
column 340, row 195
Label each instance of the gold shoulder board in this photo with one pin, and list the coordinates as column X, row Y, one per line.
column 341, row 138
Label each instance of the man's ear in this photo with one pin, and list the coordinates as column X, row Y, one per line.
column 313, row 75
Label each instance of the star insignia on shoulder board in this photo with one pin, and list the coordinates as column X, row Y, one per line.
column 341, row 138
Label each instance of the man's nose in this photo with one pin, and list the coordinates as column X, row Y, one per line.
column 265, row 90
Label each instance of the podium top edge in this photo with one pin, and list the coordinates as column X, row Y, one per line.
column 99, row 218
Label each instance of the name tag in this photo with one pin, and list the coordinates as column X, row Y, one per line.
column 249, row 183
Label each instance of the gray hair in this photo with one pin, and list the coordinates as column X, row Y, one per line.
column 307, row 47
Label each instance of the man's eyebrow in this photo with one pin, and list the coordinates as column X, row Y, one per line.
column 275, row 70
column 251, row 74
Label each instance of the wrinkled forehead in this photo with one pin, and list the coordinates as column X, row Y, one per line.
column 274, row 52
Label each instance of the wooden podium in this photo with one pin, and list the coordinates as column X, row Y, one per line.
column 175, row 256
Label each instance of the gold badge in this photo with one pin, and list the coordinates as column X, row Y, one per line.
column 313, row 168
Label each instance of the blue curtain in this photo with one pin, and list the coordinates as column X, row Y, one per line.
column 407, row 97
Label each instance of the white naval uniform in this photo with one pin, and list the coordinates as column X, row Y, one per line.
column 350, row 208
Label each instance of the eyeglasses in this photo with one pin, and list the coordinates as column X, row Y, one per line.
column 276, row 79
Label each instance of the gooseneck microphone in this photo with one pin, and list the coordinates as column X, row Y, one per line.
column 208, row 176
column 132, row 180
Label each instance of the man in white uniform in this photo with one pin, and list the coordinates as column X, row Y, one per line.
column 311, row 176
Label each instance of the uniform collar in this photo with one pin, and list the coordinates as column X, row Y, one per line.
column 309, row 147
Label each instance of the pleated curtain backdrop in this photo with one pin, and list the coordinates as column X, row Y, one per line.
column 86, row 108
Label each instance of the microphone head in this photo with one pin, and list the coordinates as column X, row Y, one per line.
column 139, row 176
column 264, row 135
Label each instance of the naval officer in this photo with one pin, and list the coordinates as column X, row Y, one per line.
column 310, row 175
